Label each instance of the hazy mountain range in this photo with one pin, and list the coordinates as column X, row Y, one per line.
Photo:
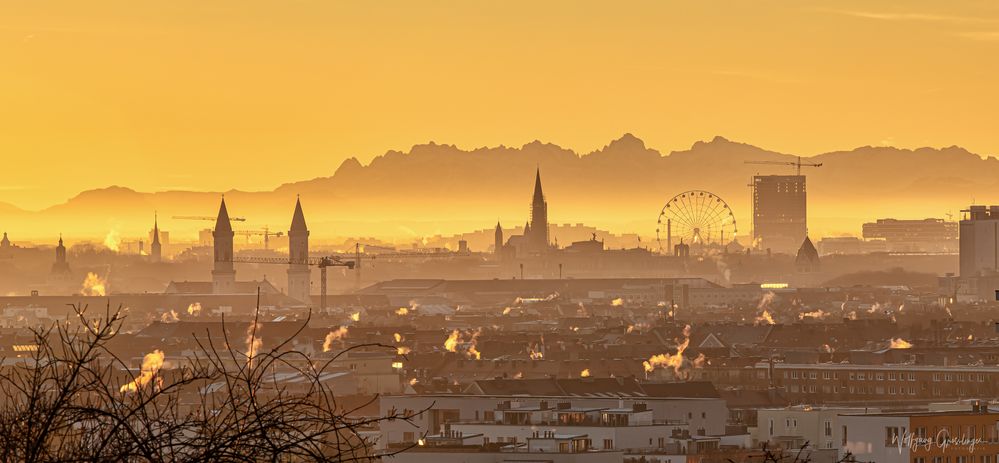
column 437, row 188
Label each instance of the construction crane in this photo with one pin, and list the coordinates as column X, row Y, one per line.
column 797, row 164
column 266, row 233
column 321, row 262
column 359, row 255
column 205, row 217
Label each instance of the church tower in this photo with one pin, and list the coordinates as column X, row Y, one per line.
column 60, row 267
column 298, row 256
column 498, row 241
column 537, row 238
column 6, row 249
column 155, row 249
column 223, row 273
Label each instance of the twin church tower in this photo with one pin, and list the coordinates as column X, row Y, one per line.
column 224, row 272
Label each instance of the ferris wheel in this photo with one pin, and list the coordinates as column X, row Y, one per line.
column 695, row 217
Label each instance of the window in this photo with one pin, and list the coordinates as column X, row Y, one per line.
column 608, row 444
column 844, row 435
column 881, row 376
column 811, row 375
column 891, row 376
column 826, row 375
column 828, row 428
column 891, row 436
column 912, row 376
column 794, row 375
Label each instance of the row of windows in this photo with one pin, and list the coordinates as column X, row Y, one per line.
column 892, row 390
column 959, row 459
column 879, row 376
column 959, row 377
column 860, row 376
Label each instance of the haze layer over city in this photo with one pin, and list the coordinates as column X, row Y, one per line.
column 498, row 232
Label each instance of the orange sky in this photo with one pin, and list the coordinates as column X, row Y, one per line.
column 211, row 95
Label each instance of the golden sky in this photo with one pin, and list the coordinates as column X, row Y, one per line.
column 212, row 95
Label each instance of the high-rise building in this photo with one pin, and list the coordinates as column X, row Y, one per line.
column 925, row 235
column 979, row 241
column 779, row 212
column 298, row 256
column 223, row 272
column 155, row 249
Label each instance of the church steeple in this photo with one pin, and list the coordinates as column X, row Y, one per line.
column 539, row 195
column 498, row 240
column 155, row 249
column 537, row 238
column 298, row 218
column 222, row 223
column 223, row 272
column 299, row 275
column 60, row 268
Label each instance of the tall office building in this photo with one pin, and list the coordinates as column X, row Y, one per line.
column 979, row 241
column 779, row 212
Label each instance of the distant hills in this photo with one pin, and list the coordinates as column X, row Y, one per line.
column 436, row 188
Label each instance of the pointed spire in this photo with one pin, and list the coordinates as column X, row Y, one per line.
column 298, row 219
column 60, row 239
column 539, row 196
column 222, row 222
column 156, row 228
